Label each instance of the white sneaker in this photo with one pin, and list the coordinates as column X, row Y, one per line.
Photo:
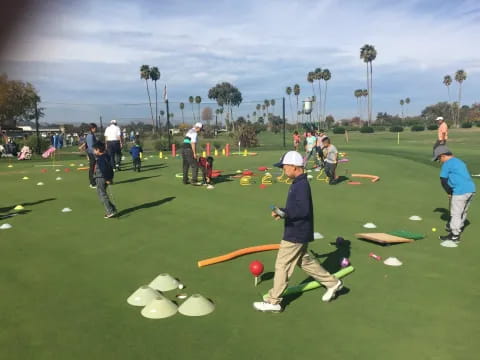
column 265, row 306
column 330, row 293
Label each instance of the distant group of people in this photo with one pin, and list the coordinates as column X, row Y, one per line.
column 105, row 158
column 318, row 145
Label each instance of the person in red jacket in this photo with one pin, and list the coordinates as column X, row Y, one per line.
column 206, row 165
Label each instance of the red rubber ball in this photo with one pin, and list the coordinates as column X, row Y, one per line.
column 256, row 268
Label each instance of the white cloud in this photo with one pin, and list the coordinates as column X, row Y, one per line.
column 262, row 45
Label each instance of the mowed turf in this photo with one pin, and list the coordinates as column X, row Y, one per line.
column 65, row 277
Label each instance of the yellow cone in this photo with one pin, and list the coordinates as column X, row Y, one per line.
column 160, row 155
column 215, row 152
column 223, row 152
column 18, row 207
column 204, row 154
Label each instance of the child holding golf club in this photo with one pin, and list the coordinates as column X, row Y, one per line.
column 298, row 218
column 136, row 151
column 103, row 174
column 460, row 189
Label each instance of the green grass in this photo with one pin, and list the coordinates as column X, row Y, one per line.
column 65, row 277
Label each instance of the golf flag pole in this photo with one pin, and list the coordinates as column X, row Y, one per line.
column 256, row 280
column 398, row 138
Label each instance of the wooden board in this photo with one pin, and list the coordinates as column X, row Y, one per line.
column 383, row 238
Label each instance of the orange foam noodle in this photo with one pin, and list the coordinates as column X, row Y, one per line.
column 374, row 178
column 237, row 253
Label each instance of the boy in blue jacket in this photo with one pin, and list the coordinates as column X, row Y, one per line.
column 135, row 151
column 298, row 217
column 103, row 175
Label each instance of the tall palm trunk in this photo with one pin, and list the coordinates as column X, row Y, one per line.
column 183, row 119
column 156, row 102
column 370, row 95
column 459, row 104
column 291, row 107
column 319, row 103
column 297, row 111
column 150, row 102
column 193, row 112
column 314, row 106
column 368, row 89
column 325, row 102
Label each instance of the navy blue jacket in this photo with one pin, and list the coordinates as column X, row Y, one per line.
column 104, row 165
column 135, row 151
column 299, row 212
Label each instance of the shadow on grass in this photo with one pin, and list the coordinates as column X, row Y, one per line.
column 9, row 215
column 144, row 206
column 8, row 208
column 331, row 264
column 135, row 179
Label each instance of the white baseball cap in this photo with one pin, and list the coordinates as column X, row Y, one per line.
column 440, row 118
column 113, row 121
column 199, row 125
column 290, row 158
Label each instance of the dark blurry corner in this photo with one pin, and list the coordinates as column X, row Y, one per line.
column 14, row 15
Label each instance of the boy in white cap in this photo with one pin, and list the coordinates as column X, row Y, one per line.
column 298, row 217
column 189, row 153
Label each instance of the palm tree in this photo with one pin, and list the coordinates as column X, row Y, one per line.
column 368, row 54
column 358, row 93
column 221, row 114
column 296, row 92
column 365, row 95
column 288, row 90
column 182, row 106
column 311, row 80
column 191, row 99
column 145, row 75
column 198, row 100
column 407, row 101
column 267, row 105
column 318, row 76
column 272, row 102
column 255, row 115
column 401, row 104
column 155, row 75
column 460, row 77
column 326, row 75
column 447, row 81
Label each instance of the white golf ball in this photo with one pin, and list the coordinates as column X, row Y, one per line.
column 181, row 286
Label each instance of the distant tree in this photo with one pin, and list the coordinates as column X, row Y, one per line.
column 368, row 54
column 145, row 75
column 225, row 94
column 191, row 100
column 155, row 76
column 17, row 102
column 198, row 101
column 182, row 106
column 365, row 95
column 329, row 121
column 288, row 91
column 318, row 75
column 296, row 92
column 460, row 77
column 207, row 115
column 358, row 94
column 402, row 102
column 447, row 81
column 311, row 79
column 431, row 112
column 326, row 76
column 272, row 103
column 407, row 101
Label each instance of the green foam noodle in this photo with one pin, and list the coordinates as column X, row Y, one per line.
column 406, row 234
column 314, row 284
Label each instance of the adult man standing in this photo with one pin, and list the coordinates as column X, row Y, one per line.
column 460, row 189
column 88, row 146
column 113, row 137
column 189, row 153
column 442, row 132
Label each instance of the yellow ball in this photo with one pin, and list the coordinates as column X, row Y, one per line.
column 434, row 229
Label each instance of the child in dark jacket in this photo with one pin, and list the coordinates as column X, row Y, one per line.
column 298, row 232
column 103, row 175
column 136, row 152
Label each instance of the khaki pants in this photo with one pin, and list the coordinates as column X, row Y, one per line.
column 459, row 205
column 289, row 255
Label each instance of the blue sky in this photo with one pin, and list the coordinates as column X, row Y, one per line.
column 90, row 52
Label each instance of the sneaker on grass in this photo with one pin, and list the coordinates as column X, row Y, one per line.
column 331, row 292
column 265, row 306
column 450, row 236
column 108, row 216
column 92, row 186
